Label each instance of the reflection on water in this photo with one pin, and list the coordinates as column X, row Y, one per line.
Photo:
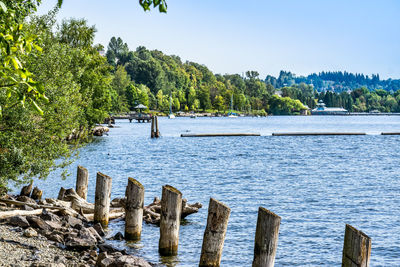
column 315, row 183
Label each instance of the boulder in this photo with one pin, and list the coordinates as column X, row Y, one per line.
column 30, row 232
column 99, row 229
column 20, row 221
column 118, row 236
column 26, row 199
column 49, row 216
column 95, row 234
column 38, row 223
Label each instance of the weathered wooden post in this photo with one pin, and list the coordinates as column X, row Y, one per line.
column 36, row 193
column 356, row 248
column 152, row 133
column 102, row 199
column 266, row 240
column 171, row 206
column 214, row 235
column 61, row 193
column 157, row 134
column 134, row 209
column 82, row 180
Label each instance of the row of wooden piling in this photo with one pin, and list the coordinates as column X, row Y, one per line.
column 356, row 248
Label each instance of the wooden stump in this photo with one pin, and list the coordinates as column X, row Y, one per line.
column 37, row 193
column 26, row 190
column 134, row 210
column 214, row 235
column 356, row 248
column 61, row 193
column 266, row 240
column 171, row 206
column 102, row 199
column 82, row 180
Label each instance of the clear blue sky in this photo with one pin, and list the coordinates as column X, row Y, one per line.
column 302, row 36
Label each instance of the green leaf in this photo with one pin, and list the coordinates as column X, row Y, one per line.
column 16, row 63
column 38, row 48
column 36, row 106
column 3, row 6
column 59, row 3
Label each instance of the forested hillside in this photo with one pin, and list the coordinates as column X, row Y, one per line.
column 334, row 81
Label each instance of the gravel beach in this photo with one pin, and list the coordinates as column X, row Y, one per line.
column 18, row 250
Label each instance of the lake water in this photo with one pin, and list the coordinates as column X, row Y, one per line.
column 316, row 184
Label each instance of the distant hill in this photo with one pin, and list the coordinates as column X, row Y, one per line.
column 336, row 81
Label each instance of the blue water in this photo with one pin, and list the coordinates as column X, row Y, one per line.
column 316, row 184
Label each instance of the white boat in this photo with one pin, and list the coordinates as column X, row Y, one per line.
column 171, row 116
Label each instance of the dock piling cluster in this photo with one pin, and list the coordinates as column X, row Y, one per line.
column 356, row 247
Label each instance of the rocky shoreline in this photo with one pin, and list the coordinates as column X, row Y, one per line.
column 54, row 238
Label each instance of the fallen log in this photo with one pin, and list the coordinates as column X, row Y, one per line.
column 12, row 213
column 113, row 214
column 78, row 203
column 35, row 206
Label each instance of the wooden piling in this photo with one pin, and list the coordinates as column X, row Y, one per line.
column 214, row 234
column 102, row 199
column 152, row 133
column 356, row 248
column 134, row 209
column 266, row 240
column 61, row 193
column 157, row 134
column 37, row 193
column 171, row 206
column 82, row 180
column 26, row 190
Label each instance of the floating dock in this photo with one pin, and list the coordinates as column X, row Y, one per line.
column 314, row 134
column 219, row 134
column 393, row 133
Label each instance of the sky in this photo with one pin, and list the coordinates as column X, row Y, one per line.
column 234, row 36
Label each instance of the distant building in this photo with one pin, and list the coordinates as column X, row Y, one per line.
column 321, row 109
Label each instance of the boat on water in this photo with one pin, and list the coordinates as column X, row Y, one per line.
column 170, row 115
column 231, row 114
column 321, row 109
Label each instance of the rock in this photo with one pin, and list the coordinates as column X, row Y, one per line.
column 54, row 225
column 99, row 229
column 55, row 237
column 129, row 260
column 76, row 243
column 37, row 222
column 60, row 259
column 99, row 130
column 106, row 248
column 118, row 236
column 20, row 221
column 87, row 234
column 95, row 234
column 117, row 259
column 74, row 222
column 93, row 254
column 30, row 232
column 49, row 216
column 26, row 190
